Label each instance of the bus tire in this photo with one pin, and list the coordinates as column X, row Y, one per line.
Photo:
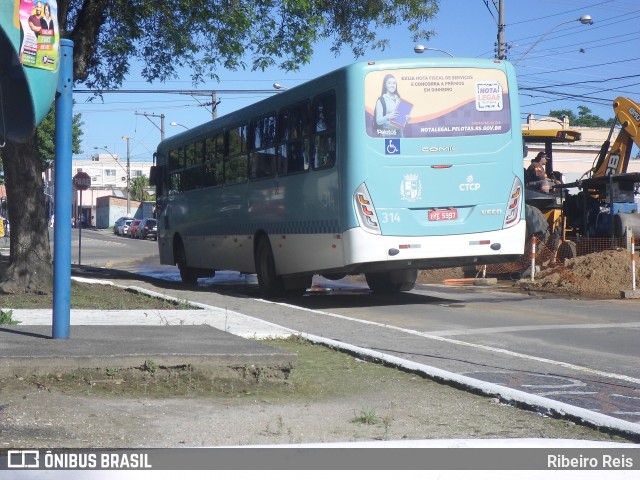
column 392, row 282
column 270, row 284
column 187, row 274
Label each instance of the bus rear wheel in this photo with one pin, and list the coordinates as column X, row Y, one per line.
column 270, row 284
column 187, row 274
column 392, row 282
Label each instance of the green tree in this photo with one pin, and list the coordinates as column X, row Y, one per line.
column 203, row 35
column 139, row 189
column 584, row 118
column 46, row 134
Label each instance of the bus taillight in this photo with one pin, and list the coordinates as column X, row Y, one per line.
column 365, row 210
column 514, row 204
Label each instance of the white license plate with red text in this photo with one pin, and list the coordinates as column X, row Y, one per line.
column 443, row 215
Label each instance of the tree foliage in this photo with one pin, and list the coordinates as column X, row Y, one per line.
column 584, row 118
column 46, row 135
column 139, row 189
column 206, row 35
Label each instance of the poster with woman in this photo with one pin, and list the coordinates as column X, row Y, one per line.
column 436, row 102
column 41, row 39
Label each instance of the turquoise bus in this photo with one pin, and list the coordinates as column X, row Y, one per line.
column 379, row 168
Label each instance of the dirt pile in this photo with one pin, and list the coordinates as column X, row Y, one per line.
column 598, row 275
column 602, row 275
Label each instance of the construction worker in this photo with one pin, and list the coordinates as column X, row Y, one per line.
column 536, row 175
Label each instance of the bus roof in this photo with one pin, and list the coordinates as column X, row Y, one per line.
column 551, row 135
column 321, row 83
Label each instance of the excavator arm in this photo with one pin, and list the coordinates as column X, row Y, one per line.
column 614, row 159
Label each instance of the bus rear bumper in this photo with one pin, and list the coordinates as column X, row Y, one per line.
column 371, row 252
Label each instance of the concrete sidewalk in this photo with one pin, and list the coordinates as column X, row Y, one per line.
column 29, row 348
column 127, row 338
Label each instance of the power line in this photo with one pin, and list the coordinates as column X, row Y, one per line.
column 581, row 67
column 172, row 91
column 610, row 79
column 582, row 8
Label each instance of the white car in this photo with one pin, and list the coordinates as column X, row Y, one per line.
column 119, row 223
column 123, row 228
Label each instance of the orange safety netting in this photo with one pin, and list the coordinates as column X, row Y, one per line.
column 554, row 252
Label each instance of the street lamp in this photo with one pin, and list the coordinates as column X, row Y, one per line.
column 127, row 170
column 584, row 20
column 176, row 124
column 422, row 49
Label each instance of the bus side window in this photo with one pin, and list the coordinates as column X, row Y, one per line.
column 174, row 159
column 235, row 170
column 263, row 153
column 293, row 139
column 190, row 155
column 192, row 178
column 213, row 161
column 324, row 131
column 175, row 183
column 198, row 153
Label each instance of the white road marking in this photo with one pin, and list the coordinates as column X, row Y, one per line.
column 461, row 343
column 529, row 328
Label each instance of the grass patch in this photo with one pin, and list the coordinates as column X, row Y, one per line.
column 6, row 318
column 367, row 417
column 95, row 297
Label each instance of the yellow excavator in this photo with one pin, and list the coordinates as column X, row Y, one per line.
column 605, row 203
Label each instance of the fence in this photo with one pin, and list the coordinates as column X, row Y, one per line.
column 554, row 252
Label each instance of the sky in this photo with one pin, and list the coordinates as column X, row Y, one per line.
column 560, row 63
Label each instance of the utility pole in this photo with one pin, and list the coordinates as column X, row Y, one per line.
column 502, row 53
column 161, row 127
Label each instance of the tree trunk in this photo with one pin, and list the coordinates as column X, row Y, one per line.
column 30, row 268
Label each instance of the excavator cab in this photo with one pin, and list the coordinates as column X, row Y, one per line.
column 544, row 208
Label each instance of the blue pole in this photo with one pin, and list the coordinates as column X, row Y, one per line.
column 62, row 195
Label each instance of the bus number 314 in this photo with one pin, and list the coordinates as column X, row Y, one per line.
column 393, row 217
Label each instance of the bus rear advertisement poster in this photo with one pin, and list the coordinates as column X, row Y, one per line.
column 444, row 102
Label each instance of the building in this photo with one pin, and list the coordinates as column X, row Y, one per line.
column 108, row 179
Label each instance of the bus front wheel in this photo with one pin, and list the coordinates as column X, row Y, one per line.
column 393, row 281
column 270, row 284
column 187, row 274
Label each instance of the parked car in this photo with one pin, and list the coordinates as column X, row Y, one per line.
column 133, row 227
column 119, row 222
column 147, row 229
column 123, row 229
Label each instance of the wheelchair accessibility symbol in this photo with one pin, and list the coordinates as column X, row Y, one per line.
column 392, row 146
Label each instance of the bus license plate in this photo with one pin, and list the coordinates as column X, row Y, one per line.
column 439, row 215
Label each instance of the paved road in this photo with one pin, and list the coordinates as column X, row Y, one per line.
column 584, row 352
